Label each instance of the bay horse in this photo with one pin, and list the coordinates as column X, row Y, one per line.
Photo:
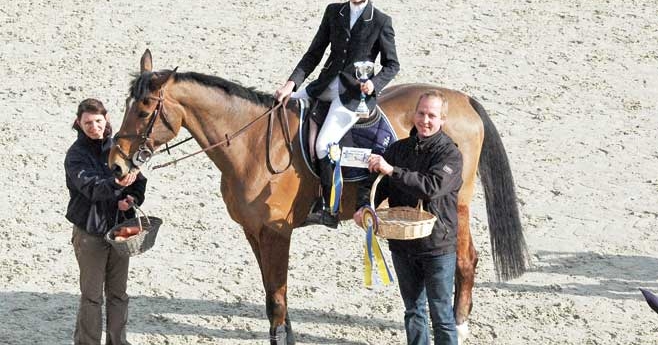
column 268, row 188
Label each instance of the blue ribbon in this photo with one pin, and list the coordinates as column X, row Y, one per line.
column 337, row 180
column 372, row 252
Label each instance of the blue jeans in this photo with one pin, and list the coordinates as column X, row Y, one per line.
column 427, row 280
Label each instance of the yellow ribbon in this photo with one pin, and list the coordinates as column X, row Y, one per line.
column 372, row 251
column 336, row 180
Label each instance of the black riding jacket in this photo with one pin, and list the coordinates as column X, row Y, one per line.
column 429, row 169
column 94, row 194
column 372, row 35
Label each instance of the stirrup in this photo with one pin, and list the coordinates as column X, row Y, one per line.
column 322, row 217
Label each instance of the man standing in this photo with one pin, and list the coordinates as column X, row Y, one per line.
column 426, row 166
column 356, row 31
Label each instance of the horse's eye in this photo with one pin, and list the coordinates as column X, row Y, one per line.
column 144, row 114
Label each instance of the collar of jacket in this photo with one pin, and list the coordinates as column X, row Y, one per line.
column 97, row 146
column 424, row 144
column 366, row 16
column 358, row 8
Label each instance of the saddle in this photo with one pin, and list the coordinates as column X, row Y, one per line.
column 319, row 109
column 374, row 132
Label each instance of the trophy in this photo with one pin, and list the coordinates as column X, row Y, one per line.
column 363, row 69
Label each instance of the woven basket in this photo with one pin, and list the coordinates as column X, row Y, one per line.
column 136, row 244
column 401, row 222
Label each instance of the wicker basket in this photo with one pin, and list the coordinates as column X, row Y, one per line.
column 401, row 222
column 139, row 243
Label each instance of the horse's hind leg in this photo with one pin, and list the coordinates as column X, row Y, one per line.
column 466, row 255
column 465, row 273
column 273, row 250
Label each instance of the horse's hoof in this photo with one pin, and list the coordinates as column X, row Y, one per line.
column 280, row 336
column 462, row 332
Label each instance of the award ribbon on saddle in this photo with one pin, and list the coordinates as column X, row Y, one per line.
column 337, row 180
column 372, row 252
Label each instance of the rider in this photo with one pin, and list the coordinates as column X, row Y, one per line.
column 357, row 31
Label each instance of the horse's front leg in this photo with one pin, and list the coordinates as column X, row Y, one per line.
column 465, row 274
column 274, row 251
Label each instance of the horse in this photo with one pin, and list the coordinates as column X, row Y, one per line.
column 268, row 188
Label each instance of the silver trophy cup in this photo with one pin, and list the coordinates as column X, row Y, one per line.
column 363, row 69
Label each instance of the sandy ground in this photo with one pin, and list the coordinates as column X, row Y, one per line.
column 571, row 86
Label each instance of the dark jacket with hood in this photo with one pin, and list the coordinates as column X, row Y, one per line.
column 429, row 169
column 94, row 194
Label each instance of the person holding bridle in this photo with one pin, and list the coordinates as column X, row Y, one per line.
column 97, row 202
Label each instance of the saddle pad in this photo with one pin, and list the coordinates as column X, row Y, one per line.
column 376, row 135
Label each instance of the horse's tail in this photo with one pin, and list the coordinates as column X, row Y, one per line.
column 508, row 247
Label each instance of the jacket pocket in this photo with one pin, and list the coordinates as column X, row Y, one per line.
column 443, row 225
column 327, row 65
column 433, row 209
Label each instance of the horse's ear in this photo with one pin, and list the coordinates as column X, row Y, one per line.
column 162, row 78
column 146, row 63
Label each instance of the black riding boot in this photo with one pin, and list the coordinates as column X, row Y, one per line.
column 321, row 213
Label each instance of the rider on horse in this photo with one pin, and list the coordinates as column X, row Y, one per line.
column 357, row 31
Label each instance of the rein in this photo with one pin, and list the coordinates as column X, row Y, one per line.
column 283, row 119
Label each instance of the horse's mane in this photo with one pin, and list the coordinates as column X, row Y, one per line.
column 140, row 86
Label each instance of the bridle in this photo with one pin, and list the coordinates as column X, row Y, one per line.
column 144, row 152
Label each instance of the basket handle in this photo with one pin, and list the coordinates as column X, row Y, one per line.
column 139, row 219
column 373, row 191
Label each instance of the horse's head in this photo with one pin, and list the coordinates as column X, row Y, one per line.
column 150, row 120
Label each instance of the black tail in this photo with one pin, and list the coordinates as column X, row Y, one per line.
column 651, row 299
column 508, row 247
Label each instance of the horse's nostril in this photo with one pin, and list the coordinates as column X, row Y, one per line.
column 116, row 170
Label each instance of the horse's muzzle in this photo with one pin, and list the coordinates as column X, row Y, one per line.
column 117, row 171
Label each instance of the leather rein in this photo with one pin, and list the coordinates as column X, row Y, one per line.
column 144, row 153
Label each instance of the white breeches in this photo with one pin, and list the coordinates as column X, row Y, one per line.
column 339, row 119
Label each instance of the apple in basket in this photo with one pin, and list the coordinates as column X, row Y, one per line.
column 125, row 232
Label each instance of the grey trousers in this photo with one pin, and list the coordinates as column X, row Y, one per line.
column 101, row 269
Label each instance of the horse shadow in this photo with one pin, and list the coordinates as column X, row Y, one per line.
column 23, row 312
column 618, row 276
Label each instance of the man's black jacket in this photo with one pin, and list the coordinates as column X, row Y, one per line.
column 428, row 169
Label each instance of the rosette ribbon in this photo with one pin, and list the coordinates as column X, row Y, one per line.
column 337, row 179
column 373, row 257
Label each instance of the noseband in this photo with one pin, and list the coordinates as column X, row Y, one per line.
column 145, row 152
